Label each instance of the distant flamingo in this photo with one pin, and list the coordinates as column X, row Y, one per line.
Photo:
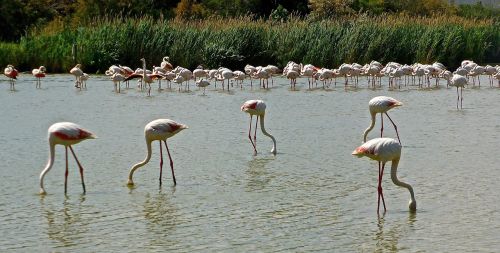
column 146, row 78
column 158, row 130
column 66, row 134
column 78, row 73
column 38, row 74
column 384, row 150
column 257, row 107
column 11, row 73
column 459, row 81
column 202, row 83
column 381, row 104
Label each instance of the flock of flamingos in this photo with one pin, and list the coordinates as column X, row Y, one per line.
column 380, row 149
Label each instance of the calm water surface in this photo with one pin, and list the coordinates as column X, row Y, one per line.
column 312, row 196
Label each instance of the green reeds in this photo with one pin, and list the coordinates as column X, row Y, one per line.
column 235, row 42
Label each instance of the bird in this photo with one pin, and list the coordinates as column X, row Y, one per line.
column 203, row 84
column 459, row 81
column 38, row 74
column 146, row 78
column 158, row 130
column 66, row 134
column 78, row 73
column 11, row 73
column 258, row 108
column 384, row 150
column 381, row 104
column 117, row 78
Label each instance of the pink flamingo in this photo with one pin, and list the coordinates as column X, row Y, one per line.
column 158, row 130
column 66, row 134
column 38, row 74
column 11, row 73
column 384, row 150
column 381, row 104
column 146, row 78
column 257, row 107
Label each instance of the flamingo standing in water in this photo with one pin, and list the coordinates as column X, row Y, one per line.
column 158, row 130
column 78, row 73
column 11, row 73
column 381, row 104
column 146, row 78
column 459, row 81
column 66, row 134
column 38, row 74
column 384, row 150
column 258, row 108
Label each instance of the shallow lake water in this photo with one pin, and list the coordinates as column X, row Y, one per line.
column 312, row 196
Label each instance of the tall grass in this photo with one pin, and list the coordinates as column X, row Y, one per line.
column 236, row 42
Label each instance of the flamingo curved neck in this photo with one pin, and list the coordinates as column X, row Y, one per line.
column 273, row 150
column 140, row 164
column 48, row 166
column 372, row 124
column 396, row 181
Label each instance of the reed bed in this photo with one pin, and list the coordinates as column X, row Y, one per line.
column 236, row 42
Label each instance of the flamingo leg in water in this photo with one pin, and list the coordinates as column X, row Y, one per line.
column 161, row 162
column 66, row 172
column 250, row 137
column 458, row 97
column 79, row 166
column 171, row 162
column 395, row 127
column 461, row 96
column 380, row 193
column 255, row 133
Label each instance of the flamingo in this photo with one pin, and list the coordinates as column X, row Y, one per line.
column 38, row 74
column 381, row 104
column 165, row 64
column 11, row 73
column 158, row 130
column 384, row 150
column 459, row 81
column 66, row 134
column 258, row 108
column 146, row 78
column 203, row 84
column 78, row 73
column 117, row 78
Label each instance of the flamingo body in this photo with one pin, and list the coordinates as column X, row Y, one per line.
column 66, row 134
column 158, row 130
column 381, row 104
column 258, row 108
column 385, row 150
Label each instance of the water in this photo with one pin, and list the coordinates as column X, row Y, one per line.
column 312, row 196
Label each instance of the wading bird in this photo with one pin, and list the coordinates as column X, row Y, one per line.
column 158, row 130
column 11, row 73
column 66, row 134
column 384, row 150
column 78, row 73
column 38, row 74
column 381, row 104
column 459, row 81
column 258, row 108
column 146, row 78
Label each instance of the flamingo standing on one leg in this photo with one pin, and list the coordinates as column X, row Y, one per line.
column 158, row 130
column 381, row 104
column 67, row 134
column 257, row 107
column 384, row 150
column 38, row 74
column 11, row 73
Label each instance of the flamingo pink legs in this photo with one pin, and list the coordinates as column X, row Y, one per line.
column 249, row 134
column 380, row 193
column 171, row 162
column 66, row 172
column 382, row 128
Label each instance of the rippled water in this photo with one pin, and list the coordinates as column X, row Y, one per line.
column 312, row 196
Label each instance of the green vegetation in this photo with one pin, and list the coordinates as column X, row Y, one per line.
column 236, row 42
column 321, row 32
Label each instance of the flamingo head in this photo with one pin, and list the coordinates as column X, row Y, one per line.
column 413, row 205
column 42, row 68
